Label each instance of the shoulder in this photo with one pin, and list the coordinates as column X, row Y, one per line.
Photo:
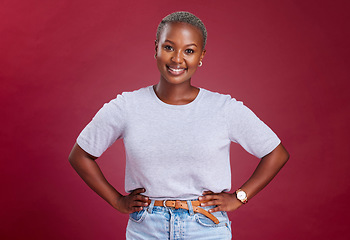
column 128, row 97
column 219, row 99
column 123, row 101
column 138, row 92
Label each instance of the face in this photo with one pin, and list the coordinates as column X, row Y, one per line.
column 179, row 50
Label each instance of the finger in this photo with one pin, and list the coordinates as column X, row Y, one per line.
column 138, row 203
column 140, row 198
column 138, row 191
column 209, row 203
column 216, row 209
column 207, row 197
column 136, row 209
column 207, row 192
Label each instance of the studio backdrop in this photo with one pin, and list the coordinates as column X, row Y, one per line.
column 61, row 60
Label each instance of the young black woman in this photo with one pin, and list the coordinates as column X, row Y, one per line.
column 177, row 139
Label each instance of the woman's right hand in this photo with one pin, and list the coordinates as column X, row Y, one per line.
column 133, row 202
column 89, row 171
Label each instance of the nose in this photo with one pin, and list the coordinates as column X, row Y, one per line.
column 177, row 57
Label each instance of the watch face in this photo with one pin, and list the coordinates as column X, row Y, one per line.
column 241, row 195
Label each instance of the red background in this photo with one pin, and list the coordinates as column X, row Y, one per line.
column 61, row 60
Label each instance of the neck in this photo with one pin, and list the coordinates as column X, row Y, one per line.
column 176, row 94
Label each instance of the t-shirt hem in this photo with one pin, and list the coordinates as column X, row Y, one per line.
column 270, row 148
column 84, row 145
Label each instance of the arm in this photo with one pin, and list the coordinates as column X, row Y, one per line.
column 85, row 165
column 266, row 170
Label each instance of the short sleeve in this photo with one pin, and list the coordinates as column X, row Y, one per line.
column 105, row 128
column 246, row 129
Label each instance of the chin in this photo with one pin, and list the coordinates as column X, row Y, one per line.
column 176, row 81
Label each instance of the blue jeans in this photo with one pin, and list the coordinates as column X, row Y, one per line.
column 155, row 222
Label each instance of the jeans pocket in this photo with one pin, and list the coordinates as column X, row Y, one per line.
column 207, row 222
column 138, row 216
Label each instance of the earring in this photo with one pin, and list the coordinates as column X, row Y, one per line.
column 155, row 56
column 200, row 64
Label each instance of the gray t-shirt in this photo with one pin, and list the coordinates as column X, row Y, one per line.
column 177, row 151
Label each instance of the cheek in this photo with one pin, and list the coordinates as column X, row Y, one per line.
column 163, row 56
column 193, row 62
column 161, row 64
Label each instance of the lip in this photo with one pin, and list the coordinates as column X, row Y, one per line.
column 176, row 70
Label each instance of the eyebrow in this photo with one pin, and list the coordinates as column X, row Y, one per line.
column 191, row 44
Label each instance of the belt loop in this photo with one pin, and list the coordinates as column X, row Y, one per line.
column 190, row 207
column 171, row 225
column 150, row 208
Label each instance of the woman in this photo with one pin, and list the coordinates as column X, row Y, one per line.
column 177, row 139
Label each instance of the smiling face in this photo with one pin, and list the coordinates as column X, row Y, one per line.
column 179, row 50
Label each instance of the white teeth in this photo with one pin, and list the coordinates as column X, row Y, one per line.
column 176, row 70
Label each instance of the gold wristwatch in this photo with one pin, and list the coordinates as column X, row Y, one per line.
column 241, row 196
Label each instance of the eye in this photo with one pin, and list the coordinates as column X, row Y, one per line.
column 189, row 51
column 168, row 48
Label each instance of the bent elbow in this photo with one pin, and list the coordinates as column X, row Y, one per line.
column 73, row 155
column 71, row 159
column 286, row 156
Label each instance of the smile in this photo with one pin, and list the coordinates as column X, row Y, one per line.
column 176, row 71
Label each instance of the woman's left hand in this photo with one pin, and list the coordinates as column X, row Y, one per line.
column 266, row 170
column 224, row 201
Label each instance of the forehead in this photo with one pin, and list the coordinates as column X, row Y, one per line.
column 180, row 31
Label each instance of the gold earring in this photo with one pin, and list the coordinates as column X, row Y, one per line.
column 200, row 64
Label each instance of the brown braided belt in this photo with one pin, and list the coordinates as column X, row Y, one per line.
column 183, row 205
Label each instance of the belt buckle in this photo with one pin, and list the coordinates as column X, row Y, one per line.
column 164, row 203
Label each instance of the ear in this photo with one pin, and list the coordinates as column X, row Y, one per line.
column 156, row 46
column 202, row 55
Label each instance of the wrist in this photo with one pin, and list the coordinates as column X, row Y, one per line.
column 116, row 201
column 241, row 196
